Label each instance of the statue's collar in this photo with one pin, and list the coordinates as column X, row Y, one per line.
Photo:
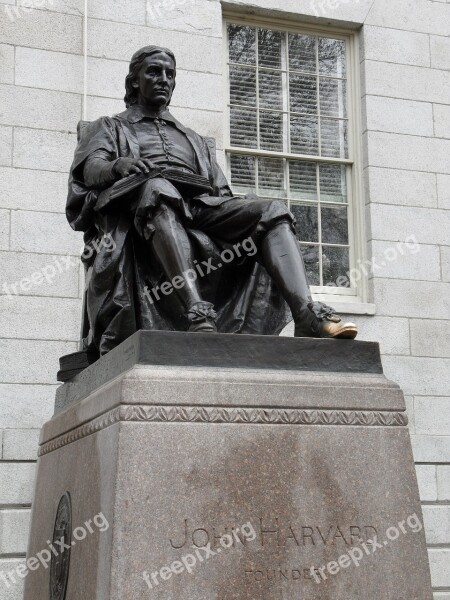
column 137, row 112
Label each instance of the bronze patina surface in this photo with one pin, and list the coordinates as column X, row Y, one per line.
column 169, row 246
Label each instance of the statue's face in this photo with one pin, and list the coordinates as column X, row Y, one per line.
column 156, row 80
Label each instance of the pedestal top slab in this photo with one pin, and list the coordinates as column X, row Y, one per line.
column 210, row 350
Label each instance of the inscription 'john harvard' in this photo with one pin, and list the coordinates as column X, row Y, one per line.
column 274, row 533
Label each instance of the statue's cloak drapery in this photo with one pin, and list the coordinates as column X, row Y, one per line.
column 242, row 292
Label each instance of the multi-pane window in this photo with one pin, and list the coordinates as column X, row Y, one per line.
column 289, row 123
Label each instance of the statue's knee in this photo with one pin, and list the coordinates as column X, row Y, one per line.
column 165, row 214
column 279, row 206
column 257, row 207
column 162, row 219
column 154, row 219
column 275, row 210
column 275, row 215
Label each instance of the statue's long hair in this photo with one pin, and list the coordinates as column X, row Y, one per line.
column 132, row 93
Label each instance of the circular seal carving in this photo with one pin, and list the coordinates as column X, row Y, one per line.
column 62, row 536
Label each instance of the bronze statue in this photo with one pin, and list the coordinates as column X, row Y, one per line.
column 185, row 254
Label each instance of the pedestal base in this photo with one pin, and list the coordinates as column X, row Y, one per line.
column 302, row 470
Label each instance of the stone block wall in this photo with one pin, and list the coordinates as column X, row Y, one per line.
column 41, row 100
column 406, row 116
column 59, row 64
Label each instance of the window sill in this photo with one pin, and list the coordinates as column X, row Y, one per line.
column 344, row 306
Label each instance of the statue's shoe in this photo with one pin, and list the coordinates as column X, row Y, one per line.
column 340, row 330
column 203, row 328
column 202, row 318
column 319, row 320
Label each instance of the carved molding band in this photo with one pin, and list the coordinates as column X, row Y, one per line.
column 212, row 414
column 74, row 435
column 262, row 416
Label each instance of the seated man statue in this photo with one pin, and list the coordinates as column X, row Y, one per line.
column 179, row 257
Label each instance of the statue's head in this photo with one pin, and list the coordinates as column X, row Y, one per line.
column 151, row 78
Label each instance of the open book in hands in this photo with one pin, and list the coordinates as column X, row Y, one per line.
column 183, row 180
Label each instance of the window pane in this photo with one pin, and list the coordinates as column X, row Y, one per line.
column 270, row 90
column 303, row 180
column 334, row 225
column 271, row 131
column 242, row 44
column 271, row 177
column 269, row 48
column 303, row 93
column 302, row 53
column 242, row 173
column 335, row 264
column 243, row 128
column 311, row 258
column 307, row 226
column 333, row 97
column 242, row 86
column 304, row 135
column 333, row 183
column 334, row 138
column 332, row 57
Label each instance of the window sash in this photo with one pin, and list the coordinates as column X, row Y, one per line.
column 286, row 154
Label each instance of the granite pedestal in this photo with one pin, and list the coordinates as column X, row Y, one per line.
column 297, row 449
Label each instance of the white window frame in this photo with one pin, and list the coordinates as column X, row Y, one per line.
column 354, row 299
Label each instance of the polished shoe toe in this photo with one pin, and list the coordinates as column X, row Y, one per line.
column 339, row 330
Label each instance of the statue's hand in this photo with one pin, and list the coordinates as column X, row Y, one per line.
column 128, row 166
